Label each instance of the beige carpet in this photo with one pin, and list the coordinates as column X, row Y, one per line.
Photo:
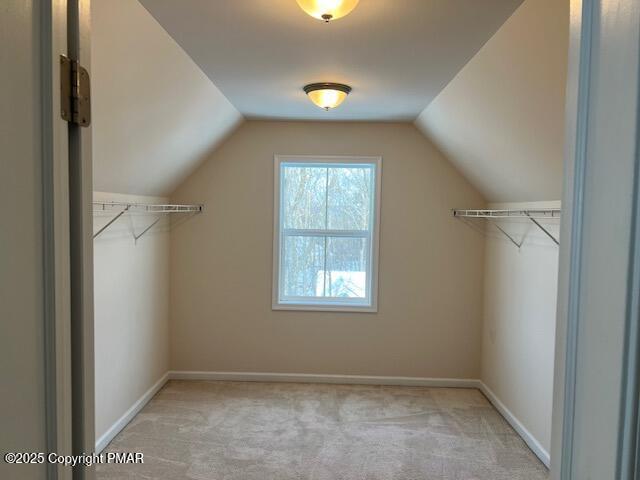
column 278, row 431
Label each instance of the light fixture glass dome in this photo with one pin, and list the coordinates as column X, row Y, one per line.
column 328, row 10
column 327, row 95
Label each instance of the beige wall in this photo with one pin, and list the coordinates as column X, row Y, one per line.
column 500, row 121
column 156, row 115
column 431, row 265
column 131, row 294
column 518, row 338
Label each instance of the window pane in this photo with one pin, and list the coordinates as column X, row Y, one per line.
column 304, row 196
column 350, row 191
column 347, row 260
column 303, row 266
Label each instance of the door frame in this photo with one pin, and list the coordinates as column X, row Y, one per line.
column 81, row 247
column 68, row 247
column 598, row 28
column 56, row 241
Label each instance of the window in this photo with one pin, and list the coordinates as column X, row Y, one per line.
column 326, row 233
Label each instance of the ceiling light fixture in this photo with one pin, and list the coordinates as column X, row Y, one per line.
column 327, row 95
column 328, row 10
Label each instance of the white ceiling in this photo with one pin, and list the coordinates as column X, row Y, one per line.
column 396, row 54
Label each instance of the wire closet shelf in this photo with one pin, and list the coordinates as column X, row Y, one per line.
column 140, row 208
column 534, row 215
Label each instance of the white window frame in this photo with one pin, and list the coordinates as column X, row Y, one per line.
column 343, row 305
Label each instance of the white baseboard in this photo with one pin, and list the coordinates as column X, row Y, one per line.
column 122, row 422
column 529, row 439
column 333, row 379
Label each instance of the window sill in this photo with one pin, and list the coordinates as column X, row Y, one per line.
column 310, row 307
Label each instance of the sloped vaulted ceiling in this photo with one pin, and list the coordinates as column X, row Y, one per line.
column 500, row 121
column 396, row 54
column 156, row 115
column 496, row 111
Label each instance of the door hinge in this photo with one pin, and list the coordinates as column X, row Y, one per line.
column 75, row 92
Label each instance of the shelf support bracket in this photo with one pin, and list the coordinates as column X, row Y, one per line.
column 95, row 235
column 137, row 237
column 543, row 229
column 508, row 236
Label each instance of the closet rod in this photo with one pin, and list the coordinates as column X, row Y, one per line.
column 533, row 214
column 141, row 208
column 508, row 213
column 148, row 208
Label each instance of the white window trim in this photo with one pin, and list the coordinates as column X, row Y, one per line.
column 323, row 305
